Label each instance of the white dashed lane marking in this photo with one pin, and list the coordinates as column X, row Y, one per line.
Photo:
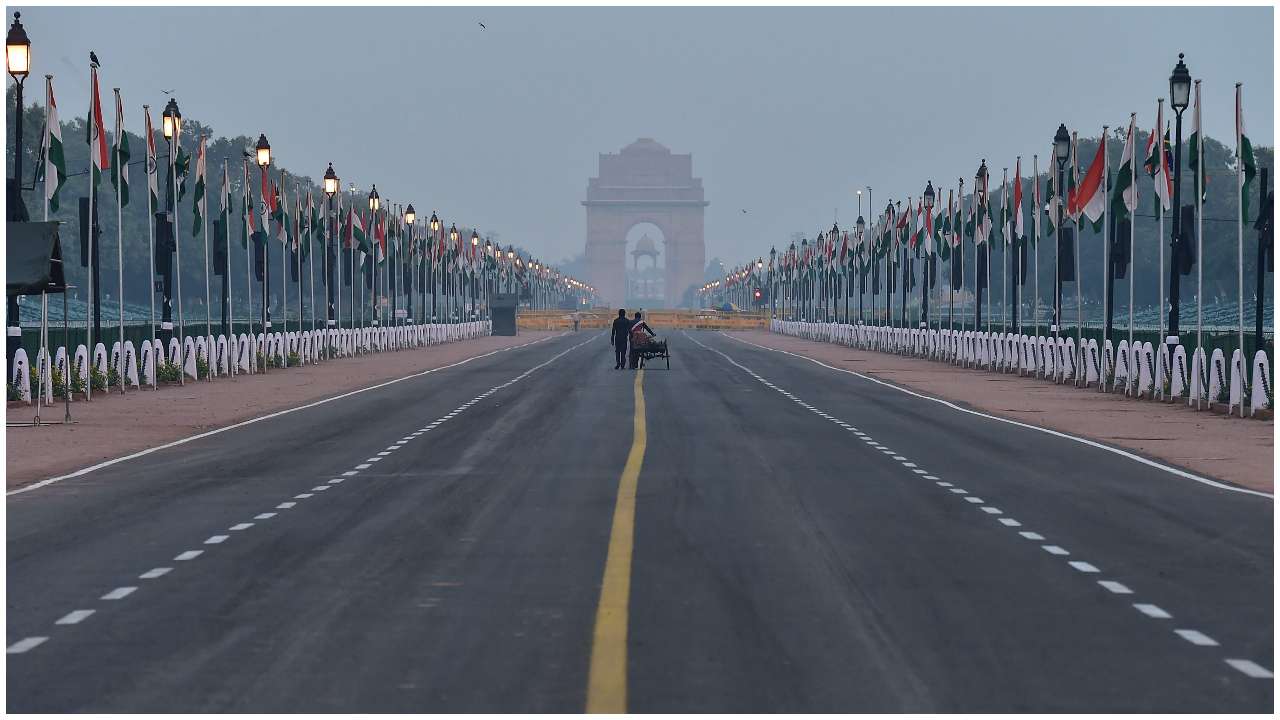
column 1115, row 587
column 74, row 617
column 1250, row 668
column 24, row 645
column 1194, row 637
column 1152, row 611
column 119, row 593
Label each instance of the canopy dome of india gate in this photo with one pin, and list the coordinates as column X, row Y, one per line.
column 645, row 183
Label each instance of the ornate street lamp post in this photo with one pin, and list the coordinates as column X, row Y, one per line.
column 1180, row 98
column 331, row 185
column 980, row 197
column 18, row 61
column 930, row 196
column 262, row 155
column 1061, row 153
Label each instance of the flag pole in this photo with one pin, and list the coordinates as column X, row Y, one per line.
column 1159, row 141
column 1004, row 268
column 151, row 245
column 93, row 226
column 204, row 223
column 1035, row 279
column 1078, row 275
column 1199, row 191
column 1133, row 221
column 120, row 180
column 232, row 369
column 1239, row 239
column 248, row 272
column 1108, row 301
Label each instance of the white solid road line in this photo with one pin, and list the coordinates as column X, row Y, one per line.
column 269, row 416
column 1056, row 433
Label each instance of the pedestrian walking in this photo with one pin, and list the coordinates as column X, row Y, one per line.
column 618, row 339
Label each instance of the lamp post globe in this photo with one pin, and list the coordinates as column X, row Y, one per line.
column 453, row 233
column 981, row 178
column 1180, row 86
column 331, row 182
column 18, row 50
column 262, row 151
column 410, row 215
column 929, row 196
column 475, row 239
column 860, row 225
column 434, row 222
column 1061, row 145
column 171, row 126
column 375, row 200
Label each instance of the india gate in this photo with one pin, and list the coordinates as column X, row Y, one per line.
column 645, row 184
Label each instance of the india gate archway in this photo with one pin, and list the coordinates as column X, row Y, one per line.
column 645, row 183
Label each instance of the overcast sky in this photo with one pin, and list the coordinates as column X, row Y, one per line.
column 786, row 112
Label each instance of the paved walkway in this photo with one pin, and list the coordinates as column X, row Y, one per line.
column 113, row 425
column 1230, row 449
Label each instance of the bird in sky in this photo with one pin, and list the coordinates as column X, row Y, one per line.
column 93, row 59
column 482, row 27
column 744, row 212
column 166, row 92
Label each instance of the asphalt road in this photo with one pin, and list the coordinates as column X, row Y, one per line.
column 800, row 540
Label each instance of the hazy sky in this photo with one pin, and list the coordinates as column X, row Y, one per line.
column 787, row 112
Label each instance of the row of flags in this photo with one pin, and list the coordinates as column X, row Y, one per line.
column 368, row 232
column 938, row 232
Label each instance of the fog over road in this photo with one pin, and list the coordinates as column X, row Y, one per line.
column 537, row 532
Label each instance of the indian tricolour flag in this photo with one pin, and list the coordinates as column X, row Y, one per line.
column 99, row 155
column 120, row 168
column 153, row 179
column 1244, row 156
column 53, row 162
column 1157, row 165
column 199, row 205
column 1124, row 197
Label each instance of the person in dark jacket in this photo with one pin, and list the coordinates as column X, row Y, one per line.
column 618, row 339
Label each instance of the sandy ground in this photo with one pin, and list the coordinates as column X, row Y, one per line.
column 1230, row 449
column 113, row 425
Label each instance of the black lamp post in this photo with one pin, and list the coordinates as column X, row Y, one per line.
column 1180, row 98
column 410, row 217
column 1061, row 153
column 930, row 197
column 262, row 154
column 18, row 61
column 434, row 224
column 805, row 291
column 888, row 265
column 861, row 225
column 375, row 204
column 790, row 311
column 331, row 185
column 980, row 180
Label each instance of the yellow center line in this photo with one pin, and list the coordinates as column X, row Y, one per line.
column 607, row 681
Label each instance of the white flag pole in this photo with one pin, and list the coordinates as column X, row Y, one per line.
column 1239, row 239
column 1159, row 140
column 1108, row 299
column 1133, row 220
column 120, row 181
